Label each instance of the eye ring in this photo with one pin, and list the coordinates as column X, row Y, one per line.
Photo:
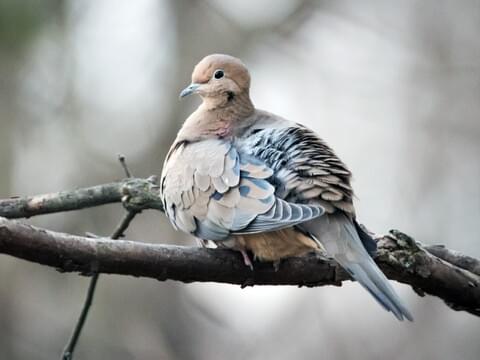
column 218, row 74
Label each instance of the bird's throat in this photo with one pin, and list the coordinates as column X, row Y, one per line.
column 236, row 104
column 218, row 117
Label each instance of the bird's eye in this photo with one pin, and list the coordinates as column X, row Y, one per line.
column 218, row 74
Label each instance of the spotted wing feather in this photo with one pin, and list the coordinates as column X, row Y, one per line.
column 306, row 169
column 212, row 191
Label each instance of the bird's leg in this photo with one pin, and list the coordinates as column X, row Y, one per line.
column 246, row 259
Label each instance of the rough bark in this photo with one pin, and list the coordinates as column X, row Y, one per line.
column 134, row 193
column 433, row 270
column 399, row 257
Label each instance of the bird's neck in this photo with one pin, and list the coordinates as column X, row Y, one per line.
column 220, row 117
column 229, row 104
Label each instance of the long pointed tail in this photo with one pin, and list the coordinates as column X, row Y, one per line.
column 341, row 240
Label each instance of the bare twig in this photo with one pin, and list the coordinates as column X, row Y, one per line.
column 70, row 347
column 72, row 342
column 141, row 193
column 121, row 158
column 121, row 228
column 24, row 207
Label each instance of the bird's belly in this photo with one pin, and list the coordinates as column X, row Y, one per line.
column 275, row 245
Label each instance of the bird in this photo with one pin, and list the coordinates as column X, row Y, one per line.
column 249, row 180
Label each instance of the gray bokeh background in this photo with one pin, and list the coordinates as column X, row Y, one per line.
column 393, row 86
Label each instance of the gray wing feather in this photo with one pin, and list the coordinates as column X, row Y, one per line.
column 212, row 190
column 209, row 230
column 305, row 168
column 280, row 216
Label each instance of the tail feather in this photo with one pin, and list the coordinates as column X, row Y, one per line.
column 375, row 282
column 367, row 241
column 341, row 240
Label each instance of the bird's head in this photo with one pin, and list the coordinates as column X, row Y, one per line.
column 219, row 78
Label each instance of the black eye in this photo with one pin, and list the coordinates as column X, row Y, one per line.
column 218, row 74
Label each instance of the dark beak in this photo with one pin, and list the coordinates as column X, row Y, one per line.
column 190, row 89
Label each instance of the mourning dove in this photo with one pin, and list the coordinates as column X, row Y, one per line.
column 252, row 181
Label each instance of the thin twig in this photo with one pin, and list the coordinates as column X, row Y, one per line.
column 121, row 158
column 69, row 349
column 118, row 233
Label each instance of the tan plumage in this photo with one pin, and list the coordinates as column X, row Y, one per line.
column 252, row 181
column 276, row 245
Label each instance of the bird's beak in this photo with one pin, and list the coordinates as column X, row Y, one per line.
column 190, row 89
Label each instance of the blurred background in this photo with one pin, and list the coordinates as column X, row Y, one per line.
column 393, row 86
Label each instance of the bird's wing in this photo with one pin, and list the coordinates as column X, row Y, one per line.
column 305, row 168
column 212, row 190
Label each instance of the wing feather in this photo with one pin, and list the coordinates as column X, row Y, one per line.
column 213, row 191
column 305, row 168
column 287, row 215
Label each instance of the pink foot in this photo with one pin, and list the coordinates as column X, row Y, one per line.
column 246, row 259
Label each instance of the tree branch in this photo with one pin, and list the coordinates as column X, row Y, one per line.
column 399, row 257
column 455, row 258
column 135, row 193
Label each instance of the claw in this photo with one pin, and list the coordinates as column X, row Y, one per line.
column 246, row 259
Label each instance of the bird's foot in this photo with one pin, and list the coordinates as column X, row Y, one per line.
column 246, row 259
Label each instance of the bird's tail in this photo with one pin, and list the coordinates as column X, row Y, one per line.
column 339, row 235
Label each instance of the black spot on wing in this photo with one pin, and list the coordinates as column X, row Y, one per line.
column 300, row 151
